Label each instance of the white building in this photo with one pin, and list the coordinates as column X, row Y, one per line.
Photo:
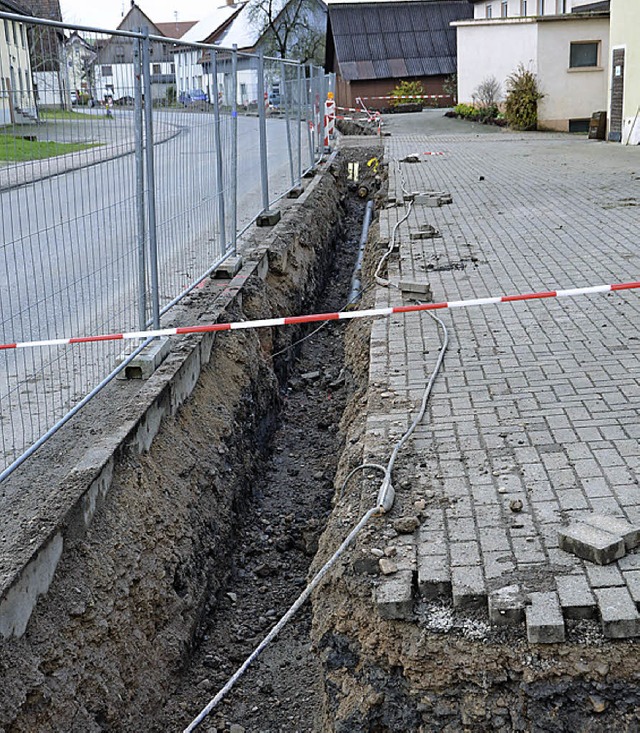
column 564, row 42
column 190, row 73
column 17, row 102
column 624, row 72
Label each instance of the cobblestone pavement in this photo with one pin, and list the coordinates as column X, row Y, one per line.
column 534, row 421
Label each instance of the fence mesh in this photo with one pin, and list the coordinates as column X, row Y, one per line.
column 128, row 165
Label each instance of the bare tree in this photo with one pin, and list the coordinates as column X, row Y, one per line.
column 488, row 92
column 294, row 29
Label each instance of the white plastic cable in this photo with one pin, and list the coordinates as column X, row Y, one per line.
column 384, row 504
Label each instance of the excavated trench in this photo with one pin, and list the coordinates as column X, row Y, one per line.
column 206, row 539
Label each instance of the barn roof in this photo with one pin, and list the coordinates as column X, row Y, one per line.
column 382, row 40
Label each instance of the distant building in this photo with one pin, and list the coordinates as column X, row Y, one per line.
column 114, row 71
column 80, row 57
column 564, row 42
column 47, row 54
column 17, row 102
column 371, row 47
column 624, row 74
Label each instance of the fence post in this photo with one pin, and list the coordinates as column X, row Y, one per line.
column 140, row 211
column 308, row 93
column 299, row 120
column 222, row 232
column 284, row 101
column 265, row 218
column 234, row 149
column 151, row 184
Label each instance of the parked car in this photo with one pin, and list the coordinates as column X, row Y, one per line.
column 195, row 96
column 274, row 100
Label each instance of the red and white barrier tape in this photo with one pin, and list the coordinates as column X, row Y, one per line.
column 438, row 152
column 319, row 317
column 412, row 96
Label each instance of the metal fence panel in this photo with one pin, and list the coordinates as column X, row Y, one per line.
column 125, row 178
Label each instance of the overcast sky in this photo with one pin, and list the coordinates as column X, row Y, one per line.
column 108, row 13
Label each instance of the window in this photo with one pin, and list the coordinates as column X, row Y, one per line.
column 488, row 11
column 561, row 7
column 523, row 7
column 15, row 33
column 172, row 68
column 156, row 69
column 107, row 71
column 22, row 41
column 504, row 9
column 583, row 54
column 540, row 7
column 6, row 31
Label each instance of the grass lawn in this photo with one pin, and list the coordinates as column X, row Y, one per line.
column 67, row 114
column 16, row 149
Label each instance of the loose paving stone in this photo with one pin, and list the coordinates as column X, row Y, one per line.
column 591, row 543
column 468, row 587
column 434, row 578
column 545, row 624
column 394, row 596
column 576, row 598
column 618, row 613
column 506, row 606
column 630, row 533
column 632, row 579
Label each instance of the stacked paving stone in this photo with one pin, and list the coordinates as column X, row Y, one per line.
column 527, row 459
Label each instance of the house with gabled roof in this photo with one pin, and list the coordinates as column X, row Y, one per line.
column 114, row 72
column 372, row 46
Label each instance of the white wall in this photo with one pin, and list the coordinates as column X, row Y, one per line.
column 570, row 93
column 625, row 33
column 515, row 7
column 493, row 49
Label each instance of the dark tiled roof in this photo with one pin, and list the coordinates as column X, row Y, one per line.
column 175, row 29
column 603, row 5
column 383, row 40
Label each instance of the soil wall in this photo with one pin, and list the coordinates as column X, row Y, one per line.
column 145, row 551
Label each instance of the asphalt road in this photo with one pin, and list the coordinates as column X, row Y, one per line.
column 70, row 255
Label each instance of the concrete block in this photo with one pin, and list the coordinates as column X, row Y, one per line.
column 468, row 587
column 434, row 579
column 545, row 624
column 576, row 599
column 506, row 606
column 591, row 543
column 411, row 287
column 268, row 218
column 230, row 267
column 145, row 364
column 425, row 234
column 630, row 533
column 394, row 596
column 618, row 613
column 295, row 192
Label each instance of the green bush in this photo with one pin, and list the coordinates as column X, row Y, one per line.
column 523, row 95
column 468, row 111
column 407, row 92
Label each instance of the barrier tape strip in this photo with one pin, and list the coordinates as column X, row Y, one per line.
column 413, row 96
column 319, row 317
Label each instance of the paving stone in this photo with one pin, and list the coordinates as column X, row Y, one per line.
column 576, row 598
column 630, row 533
column 434, row 578
column 618, row 613
column 394, row 597
column 506, row 606
column 591, row 543
column 632, row 579
column 604, row 576
column 545, row 624
column 468, row 587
